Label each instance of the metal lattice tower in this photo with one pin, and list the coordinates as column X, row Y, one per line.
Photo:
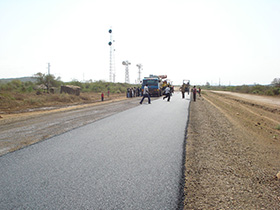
column 140, row 68
column 114, row 66
column 126, row 63
column 112, row 70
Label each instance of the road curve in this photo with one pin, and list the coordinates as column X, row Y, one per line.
column 130, row 160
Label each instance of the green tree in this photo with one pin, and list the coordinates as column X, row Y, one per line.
column 48, row 80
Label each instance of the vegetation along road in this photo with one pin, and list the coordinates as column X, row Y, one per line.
column 232, row 150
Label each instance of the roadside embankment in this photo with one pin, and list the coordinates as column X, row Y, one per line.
column 232, row 154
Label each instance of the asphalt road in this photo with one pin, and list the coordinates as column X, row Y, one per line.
column 130, row 160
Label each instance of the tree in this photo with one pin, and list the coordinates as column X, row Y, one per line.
column 48, row 80
column 276, row 82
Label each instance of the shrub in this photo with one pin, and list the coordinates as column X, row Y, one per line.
column 276, row 91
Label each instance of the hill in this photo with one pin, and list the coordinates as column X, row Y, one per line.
column 22, row 79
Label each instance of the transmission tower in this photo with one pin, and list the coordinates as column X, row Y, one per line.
column 112, row 70
column 126, row 63
column 140, row 68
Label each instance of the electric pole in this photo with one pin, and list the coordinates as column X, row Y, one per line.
column 48, row 77
column 49, row 68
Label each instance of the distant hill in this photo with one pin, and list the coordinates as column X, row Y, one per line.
column 22, row 79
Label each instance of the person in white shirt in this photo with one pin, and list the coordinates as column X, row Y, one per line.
column 167, row 93
column 146, row 94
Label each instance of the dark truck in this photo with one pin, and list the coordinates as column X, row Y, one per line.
column 155, row 84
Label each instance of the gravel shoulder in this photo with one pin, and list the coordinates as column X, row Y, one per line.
column 232, row 154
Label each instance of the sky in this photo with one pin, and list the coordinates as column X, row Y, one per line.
column 227, row 42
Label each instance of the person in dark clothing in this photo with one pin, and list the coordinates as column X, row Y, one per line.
column 102, row 96
column 194, row 93
column 199, row 92
column 183, row 89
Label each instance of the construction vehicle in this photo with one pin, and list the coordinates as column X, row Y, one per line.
column 155, row 83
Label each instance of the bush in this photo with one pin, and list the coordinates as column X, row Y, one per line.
column 276, row 91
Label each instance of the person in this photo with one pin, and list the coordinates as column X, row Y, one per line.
column 138, row 91
column 167, row 93
column 146, row 93
column 187, row 89
column 183, row 89
column 194, row 93
column 199, row 91
column 102, row 96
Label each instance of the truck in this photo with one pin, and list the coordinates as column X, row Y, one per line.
column 155, row 84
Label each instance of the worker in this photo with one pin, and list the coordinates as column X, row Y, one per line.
column 199, row 91
column 187, row 89
column 167, row 93
column 146, row 93
column 183, row 89
column 194, row 93
column 102, row 96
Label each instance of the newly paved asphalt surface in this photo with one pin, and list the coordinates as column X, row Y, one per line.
column 131, row 160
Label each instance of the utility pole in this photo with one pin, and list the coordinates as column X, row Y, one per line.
column 48, row 77
column 49, row 68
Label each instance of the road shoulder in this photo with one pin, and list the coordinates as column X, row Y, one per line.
column 227, row 166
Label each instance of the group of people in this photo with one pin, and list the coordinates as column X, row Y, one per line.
column 133, row 92
column 195, row 91
column 168, row 93
column 146, row 94
column 102, row 95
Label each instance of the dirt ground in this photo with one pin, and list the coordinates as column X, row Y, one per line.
column 233, row 152
column 28, row 127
